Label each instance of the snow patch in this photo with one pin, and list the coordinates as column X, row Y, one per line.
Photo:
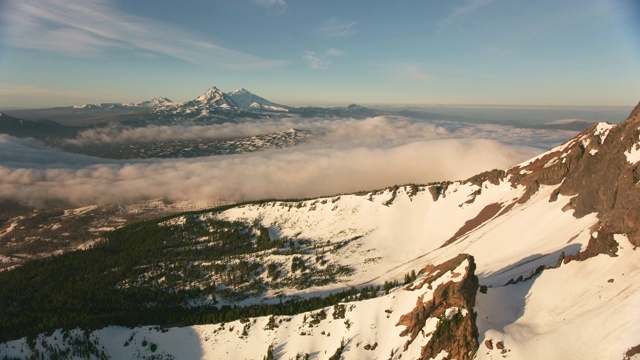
column 602, row 130
column 80, row 211
column 633, row 154
column 10, row 228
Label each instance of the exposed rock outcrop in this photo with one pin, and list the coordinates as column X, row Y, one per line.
column 457, row 334
column 492, row 176
column 604, row 243
column 486, row 214
column 599, row 168
column 438, row 190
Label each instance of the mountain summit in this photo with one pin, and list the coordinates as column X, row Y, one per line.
column 156, row 102
column 216, row 98
column 249, row 101
column 599, row 169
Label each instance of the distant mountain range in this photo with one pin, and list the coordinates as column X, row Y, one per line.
column 213, row 98
column 213, row 106
column 216, row 106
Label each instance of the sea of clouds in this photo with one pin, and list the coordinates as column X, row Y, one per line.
column 342, row 155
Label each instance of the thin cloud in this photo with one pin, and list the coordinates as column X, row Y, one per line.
column 336, row 27
column 269, row 3
column 410, row 72
column 320, row 61
column 94, row 28
column 460, row 12
column 273, row 7
column 316, row 61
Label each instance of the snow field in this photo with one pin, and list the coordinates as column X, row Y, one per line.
column 368, row 322
column 581, row 310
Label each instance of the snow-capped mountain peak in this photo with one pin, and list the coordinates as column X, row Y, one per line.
column 215, row 97
column 212, row 93
column 239, row 91
column 156, row 102
column 249, row 101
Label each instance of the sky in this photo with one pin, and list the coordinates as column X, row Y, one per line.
column 309, row 52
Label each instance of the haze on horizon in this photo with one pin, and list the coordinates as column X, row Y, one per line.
column 549, row 53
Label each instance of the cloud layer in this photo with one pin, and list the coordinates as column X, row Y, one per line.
column 344, row 156
column 371, row 132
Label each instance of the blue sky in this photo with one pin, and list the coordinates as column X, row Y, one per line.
column 309, row 52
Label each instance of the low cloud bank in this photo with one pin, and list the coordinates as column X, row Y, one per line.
column 375, row 131
column 344, row 156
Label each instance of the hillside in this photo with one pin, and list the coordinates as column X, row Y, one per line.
column 536, row 261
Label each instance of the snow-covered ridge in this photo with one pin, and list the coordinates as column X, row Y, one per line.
column 599, row 131
column 548, row 286
column 402, row 229
column 212, row 98
column 246, row 100
column 357, row 330
column 153, row 103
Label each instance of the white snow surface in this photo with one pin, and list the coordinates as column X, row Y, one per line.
column 583, row 309
column 367, row 322
column 633, row 154
column 247, row 100
column 602, row 130
column 402, row 239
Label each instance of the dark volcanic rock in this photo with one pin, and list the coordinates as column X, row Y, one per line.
column 594, row 169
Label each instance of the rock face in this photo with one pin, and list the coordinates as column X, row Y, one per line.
column 455, row 333
column 607, row 182
column 600, row 169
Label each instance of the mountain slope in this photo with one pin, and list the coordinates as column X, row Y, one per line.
column 248, row 101
column 213, row 106
column 550, row 267
column 599, row 168
column 395, row 323
column 39, row 129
